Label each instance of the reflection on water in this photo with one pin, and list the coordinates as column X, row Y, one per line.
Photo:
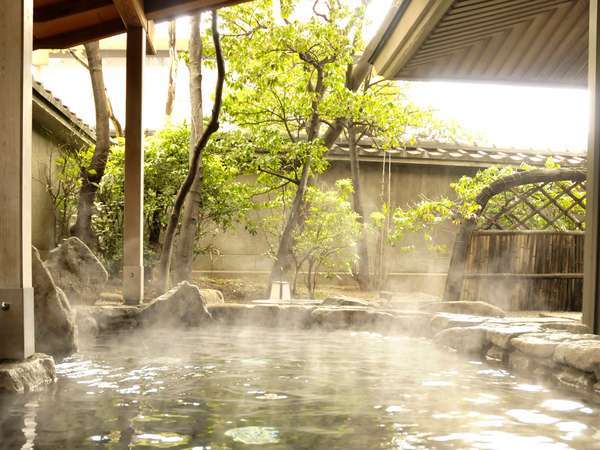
column 217, row 389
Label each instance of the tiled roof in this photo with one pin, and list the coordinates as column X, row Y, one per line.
column 435, row 153
column 77, row 126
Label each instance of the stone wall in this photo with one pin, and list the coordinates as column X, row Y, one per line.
column 244, row 255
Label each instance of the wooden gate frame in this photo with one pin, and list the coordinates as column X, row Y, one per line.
column 456, row 269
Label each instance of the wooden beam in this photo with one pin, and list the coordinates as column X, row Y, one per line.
column 66, row 8
column 591, row 255
column 16, row 292
column 160, row 10
column 133, row 14
column 76, row 37
column 133, row 230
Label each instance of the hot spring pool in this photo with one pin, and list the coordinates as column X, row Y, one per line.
column 233, row 388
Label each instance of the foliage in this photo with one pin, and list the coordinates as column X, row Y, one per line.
column 425, row 215
column 224, row 200
column 327, row 242
column 63, row 182
column 288, row 85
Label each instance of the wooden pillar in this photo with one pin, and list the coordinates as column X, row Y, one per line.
column 591, row 281
column 133, row 232
column 16, row 293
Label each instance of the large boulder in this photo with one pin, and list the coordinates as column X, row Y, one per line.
column 55, row 330
column 77, row 271
column 182, row 305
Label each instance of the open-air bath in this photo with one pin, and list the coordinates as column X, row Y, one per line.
column 244, row 387
column 299, row 224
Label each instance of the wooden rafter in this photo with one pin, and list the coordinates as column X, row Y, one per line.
column 66, row 8
column 160, row 10
column 133, row 14
column 77, row 37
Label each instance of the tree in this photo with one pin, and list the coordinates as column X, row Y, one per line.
column 91, row 175
column 184, row 256
column 285, row 76
column 378, row 115
column 172, row 68
column 211, row 128
column 328, row 238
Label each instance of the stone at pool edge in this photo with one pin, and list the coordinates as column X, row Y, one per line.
column 342, row 300
column 182, row 305
column 468, row 340
column 474, row 308
column 542, row 345
column 30, row 375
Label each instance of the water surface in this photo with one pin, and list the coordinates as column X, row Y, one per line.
column 236, row 388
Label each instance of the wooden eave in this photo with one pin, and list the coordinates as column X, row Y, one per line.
column 541, row 42
column 59, row 24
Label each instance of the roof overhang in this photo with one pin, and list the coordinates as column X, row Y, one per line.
column 61, row 24
column 57, row 120
column 541, row 42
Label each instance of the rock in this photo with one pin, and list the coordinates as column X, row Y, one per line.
column 469, row 340
column 55, row 329
column 341, row 300
column 500, row 335
column 77, row 271
column 574, row 379
column 334, row 318
column 542, row 345
column 87, row 325
column 496, row 354
column 569, row 326
column 583, row 355
column 464, row 307
column 443, row 321
column 520, row 362
column 181, row 305
column 262, row 315
column 27, row 376
column 414, row 324
column 212, row 296
column 110, row 317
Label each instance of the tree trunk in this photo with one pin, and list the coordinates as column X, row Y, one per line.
column 284, row 262
column 458, row 259
column 212, row 127
column 92, row 175
column 362, row 273
column 184, row 253
column 172, row 68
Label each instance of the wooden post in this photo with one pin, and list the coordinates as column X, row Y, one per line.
column 16, row 293
column 133, row 232
column 591, row 267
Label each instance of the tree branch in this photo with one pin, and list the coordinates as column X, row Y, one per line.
column 279, row 175
column 211, row 128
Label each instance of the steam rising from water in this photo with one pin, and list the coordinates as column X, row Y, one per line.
column 227, row 388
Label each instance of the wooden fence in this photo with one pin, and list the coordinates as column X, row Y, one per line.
column 525, row 270
column 524, row 248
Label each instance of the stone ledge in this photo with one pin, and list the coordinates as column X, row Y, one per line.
column 551, row 348
column 537, row 347
column 27, row 376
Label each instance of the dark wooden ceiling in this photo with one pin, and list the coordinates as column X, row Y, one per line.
column 66, row 23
